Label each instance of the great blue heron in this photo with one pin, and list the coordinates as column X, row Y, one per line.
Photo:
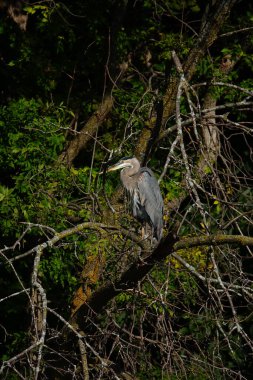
column 144, row 191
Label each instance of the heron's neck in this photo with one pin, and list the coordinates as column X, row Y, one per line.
column 128, row 178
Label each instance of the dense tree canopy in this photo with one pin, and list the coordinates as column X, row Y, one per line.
column 84, row 83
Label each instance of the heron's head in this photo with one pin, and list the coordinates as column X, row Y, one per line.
column 125, row 162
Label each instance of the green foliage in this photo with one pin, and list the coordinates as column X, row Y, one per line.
column 32, row 136
column 60, row 270
column 169, row 42
column 43, row 12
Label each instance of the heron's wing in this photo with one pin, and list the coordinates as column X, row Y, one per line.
column 151, row 198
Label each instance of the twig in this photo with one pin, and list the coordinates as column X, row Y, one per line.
column 15, row 294
column 243, row 30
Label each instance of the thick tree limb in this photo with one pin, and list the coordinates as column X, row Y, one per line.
column 138, row 270
column 213, row 240
column 210, row 131
column 89, row 130
column 128, row 279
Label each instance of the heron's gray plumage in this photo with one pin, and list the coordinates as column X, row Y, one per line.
column 144, row 191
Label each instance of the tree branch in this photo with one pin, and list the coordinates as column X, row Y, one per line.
column 89, row 129
column 213, row 240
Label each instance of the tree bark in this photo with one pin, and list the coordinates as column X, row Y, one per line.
column 87, row 132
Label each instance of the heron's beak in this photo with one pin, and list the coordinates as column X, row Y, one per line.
column 119, row 165
column 111, row 168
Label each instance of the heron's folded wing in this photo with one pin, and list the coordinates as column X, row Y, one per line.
column 151, row 198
